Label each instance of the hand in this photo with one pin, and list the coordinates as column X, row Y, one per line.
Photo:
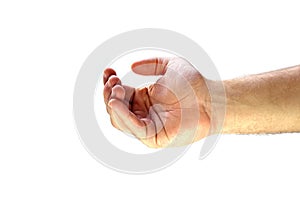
column 170, row 112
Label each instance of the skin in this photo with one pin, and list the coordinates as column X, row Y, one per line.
column 264, row 103
column 177, row 109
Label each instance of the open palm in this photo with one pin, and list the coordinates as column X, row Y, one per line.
column 170, row 112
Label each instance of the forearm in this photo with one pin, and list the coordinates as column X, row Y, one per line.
column 263, row 103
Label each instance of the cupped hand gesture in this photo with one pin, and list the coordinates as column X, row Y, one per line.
column 171, row 112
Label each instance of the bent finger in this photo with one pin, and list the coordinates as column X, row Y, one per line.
column 112, row 81
column 107, row 73
column 126, row 120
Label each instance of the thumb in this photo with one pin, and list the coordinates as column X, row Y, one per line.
column 152, row 66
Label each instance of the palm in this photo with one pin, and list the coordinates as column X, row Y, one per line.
column 164, row 111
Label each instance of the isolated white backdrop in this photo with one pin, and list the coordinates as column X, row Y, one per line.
column 42, row 47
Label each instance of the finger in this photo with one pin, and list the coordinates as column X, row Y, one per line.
column 153, row 66
column 107, row 73
column 112, row 81
column 129, row 94
column 126, row 120
column 118, row 92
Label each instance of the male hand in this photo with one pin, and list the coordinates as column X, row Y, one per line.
column 171, row 112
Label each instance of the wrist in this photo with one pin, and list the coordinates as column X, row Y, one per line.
column 213, row 102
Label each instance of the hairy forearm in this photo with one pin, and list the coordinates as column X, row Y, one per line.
column 263, row 103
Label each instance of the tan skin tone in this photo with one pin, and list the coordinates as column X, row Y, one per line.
column 154, row 113
column 176, row 110
column 264, row 103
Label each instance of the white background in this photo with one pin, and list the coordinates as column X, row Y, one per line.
column 42, row 47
